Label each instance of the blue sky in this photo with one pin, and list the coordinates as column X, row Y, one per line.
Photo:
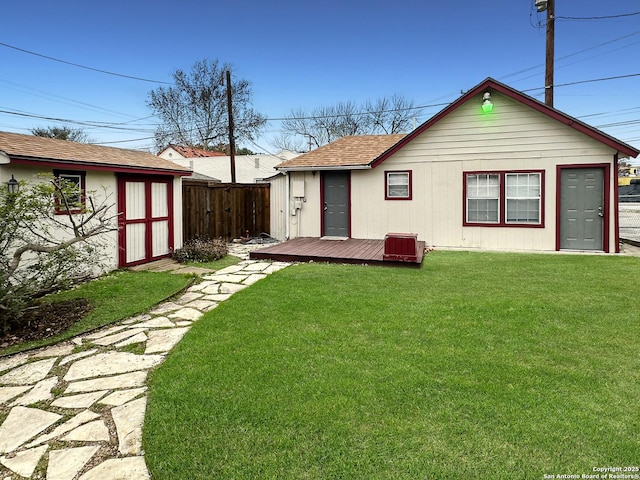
column 300, row 54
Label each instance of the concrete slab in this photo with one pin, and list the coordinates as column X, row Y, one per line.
column 188, row 297
column 128, row 419
column 165, row 308
column 110, row 363
column 40, row 393
column 82, row 400
column 65, row 464
column 164, row 340
column 24, row 463
column 123, row 396
column 128, row 468
column 254, row 277
column 139, row 338
column 228, row 278
column 23, row 423
column 212, row 289
column 13, row 361
column 28, row 373
column 118, row 337
column 55, row 351
column 76, row 356
column 126, row 380
column 158, row 322
column 95, row 431
column 83, row 417
column 187, row 314
column 7, row 393
column 231, row 288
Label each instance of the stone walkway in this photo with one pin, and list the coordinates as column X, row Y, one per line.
column 74, row 411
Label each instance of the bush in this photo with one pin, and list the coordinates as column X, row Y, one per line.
column 201, row 250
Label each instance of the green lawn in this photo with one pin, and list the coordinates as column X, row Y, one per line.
column 477, row 365
column 113, row 297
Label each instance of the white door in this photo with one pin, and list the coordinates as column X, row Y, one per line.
column 146, row 219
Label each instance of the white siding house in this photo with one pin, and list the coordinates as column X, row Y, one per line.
column 143, row 190
column 522, row 176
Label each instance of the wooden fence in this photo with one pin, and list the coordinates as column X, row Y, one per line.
column 224, row 210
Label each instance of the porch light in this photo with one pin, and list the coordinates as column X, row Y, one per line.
column 13, row 186
column 487, row 106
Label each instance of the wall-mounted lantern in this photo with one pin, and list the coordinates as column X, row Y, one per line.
column 13, row 186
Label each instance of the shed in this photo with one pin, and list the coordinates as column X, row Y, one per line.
column 145, row 189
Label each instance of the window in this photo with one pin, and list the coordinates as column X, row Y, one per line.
column 503, row 198
column 398, row 185
column 75, row 181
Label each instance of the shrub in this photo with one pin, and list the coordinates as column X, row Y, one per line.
column 201, row 250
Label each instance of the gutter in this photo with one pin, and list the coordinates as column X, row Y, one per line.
column 314, row 168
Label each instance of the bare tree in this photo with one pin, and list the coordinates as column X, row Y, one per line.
column 304, row 131
column 194, row 110
column 48, row 241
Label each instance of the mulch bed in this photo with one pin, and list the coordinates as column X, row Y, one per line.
column 45, row 321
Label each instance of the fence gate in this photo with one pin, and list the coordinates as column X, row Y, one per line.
column 224, row 210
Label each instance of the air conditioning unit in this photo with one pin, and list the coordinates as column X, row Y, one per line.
column 400, row 247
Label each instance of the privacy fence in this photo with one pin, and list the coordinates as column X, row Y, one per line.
column 224, row 210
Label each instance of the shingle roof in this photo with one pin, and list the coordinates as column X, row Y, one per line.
column 30, row 147
column 193, row 152
column 350, row 151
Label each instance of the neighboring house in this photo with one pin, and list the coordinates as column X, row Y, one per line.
column 176, row 152
column 145, row 190
column 249, row 168
column 514, row 175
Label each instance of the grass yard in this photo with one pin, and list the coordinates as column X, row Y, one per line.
column 477, row 365
column 113, row 297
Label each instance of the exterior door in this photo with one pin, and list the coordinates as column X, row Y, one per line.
column 335, row 204
column 146, row 219
column 582, row 208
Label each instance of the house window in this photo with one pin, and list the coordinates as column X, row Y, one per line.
column 75, row 182
column 398, row 185
column 503, row 198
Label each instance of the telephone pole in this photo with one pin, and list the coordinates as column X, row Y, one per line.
column 549, row 6
column 232, row 146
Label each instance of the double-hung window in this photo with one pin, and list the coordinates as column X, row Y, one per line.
column 73, row 184
column 510, row 198
column 398, row 185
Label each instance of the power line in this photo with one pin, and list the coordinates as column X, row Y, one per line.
column 599, row 18
column 106, row 72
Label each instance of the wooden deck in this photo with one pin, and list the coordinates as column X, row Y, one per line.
column 334, row 251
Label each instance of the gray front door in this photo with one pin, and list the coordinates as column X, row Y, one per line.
column 335, row 198
column 581, row 208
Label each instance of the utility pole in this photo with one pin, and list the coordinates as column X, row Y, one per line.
column 548, row 77
column 549, row 6
column 232, row 146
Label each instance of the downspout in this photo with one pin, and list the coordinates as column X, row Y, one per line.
column 616, row 199
column 287, row 208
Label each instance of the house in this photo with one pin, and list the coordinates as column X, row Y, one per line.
column 145, row 190
column 249, row 168
column 496, row 169
column 176, row 152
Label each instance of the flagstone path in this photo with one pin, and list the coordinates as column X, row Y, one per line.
column 74, row 411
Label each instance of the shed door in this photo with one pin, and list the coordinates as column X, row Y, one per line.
column 582, row 208
column 146, row 219
column 335, row 204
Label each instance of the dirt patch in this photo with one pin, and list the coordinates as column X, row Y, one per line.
column 46, row 321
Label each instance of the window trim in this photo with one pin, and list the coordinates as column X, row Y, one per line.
column 59, row 209
column 410, row 184
column 502, row 199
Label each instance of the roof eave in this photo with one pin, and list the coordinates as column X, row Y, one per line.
column 74, row 164
column 306, row 168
